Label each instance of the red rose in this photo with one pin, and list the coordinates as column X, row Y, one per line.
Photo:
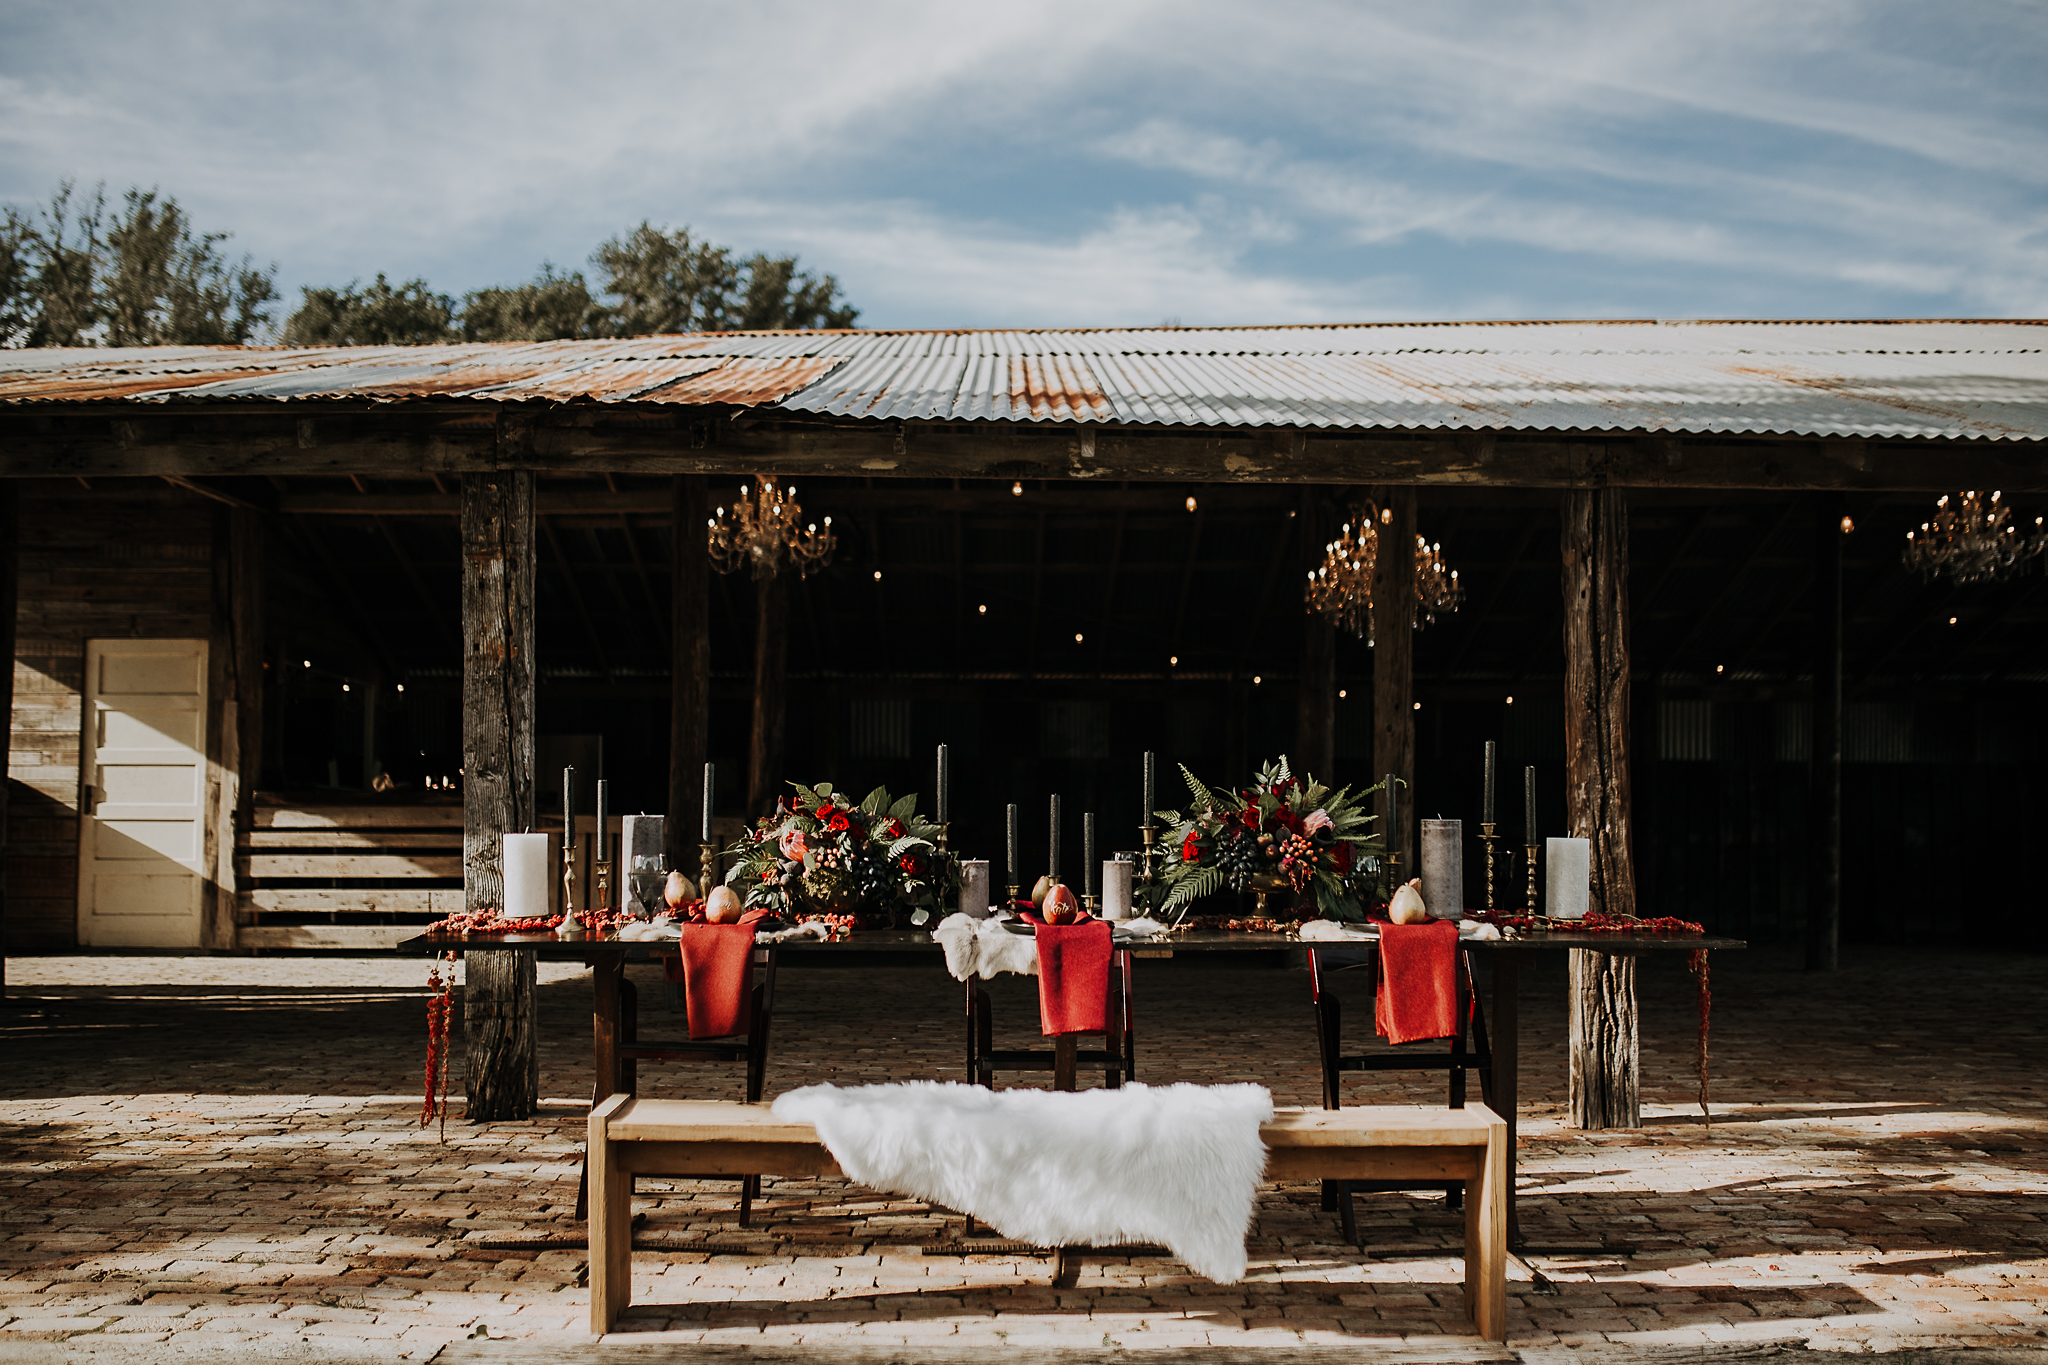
column 1250, row 817
column 1288, row 819
column 1190, row 849
column 838, row 821
column 912, row 863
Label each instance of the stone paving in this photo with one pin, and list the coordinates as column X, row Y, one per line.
column 224, row 1153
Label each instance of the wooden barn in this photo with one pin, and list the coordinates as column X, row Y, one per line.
column 298, row 633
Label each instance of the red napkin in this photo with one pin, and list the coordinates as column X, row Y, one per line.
column 716, row 968
column 1418, row 996
column 1073, row 977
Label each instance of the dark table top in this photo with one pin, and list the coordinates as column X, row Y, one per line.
column 547, row 947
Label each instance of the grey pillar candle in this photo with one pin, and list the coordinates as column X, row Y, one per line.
column 710, row 794
column 1010, row 829
column 1089, row 874
column 1486, row 802
column 1147, row 822
column 568, row 808
column 945, row 787
column 1443, row 868
column 1529, row 805
column 974, row 888
column 604, row 816
column 1054, row 858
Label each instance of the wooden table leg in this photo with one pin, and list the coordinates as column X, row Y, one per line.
column 1064, row 1046
column 605, row 975
column 1066, row 1267
column 1506, row 1040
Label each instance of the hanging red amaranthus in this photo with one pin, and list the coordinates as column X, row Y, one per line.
column 440, row 1000
column 1699, row 970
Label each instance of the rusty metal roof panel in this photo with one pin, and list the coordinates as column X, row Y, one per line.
column 1925, row 379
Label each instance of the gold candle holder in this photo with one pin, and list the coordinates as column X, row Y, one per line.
column 601, row 885
column 1486, row 837
column 707, row 869
column 1532, row 879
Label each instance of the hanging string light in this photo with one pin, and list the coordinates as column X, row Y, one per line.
column 1971, row 540
column 1341, row 588
column 765, row 530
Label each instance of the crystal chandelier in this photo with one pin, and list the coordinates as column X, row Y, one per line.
column 766, row 530
column 1436, row 586
column 1341, row 588
column 1972, row 540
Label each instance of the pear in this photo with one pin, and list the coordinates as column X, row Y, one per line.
column 1060, row 906
column 678, row 889
column 1039, row 889
column 1406, row 907
column 723, row 906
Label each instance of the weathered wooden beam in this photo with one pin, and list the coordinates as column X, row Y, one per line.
column 442, row 439
column 497, row 790
column 689, row 669
column 10, row 581
column 1393, row 670
column 1603, row 1048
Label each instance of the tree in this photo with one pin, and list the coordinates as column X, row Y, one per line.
column 164, row 286
column 551, row 308
column 410, row 314
column 72, row 277
column 666, row 281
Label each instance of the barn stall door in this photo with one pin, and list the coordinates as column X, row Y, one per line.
column 143, row 840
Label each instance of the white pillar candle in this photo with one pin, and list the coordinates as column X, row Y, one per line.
column 527, row 883
column 1569, row 877
column 1443, row 868
column 1116, row 889
column 974, row 887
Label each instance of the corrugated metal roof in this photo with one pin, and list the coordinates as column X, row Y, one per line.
column 1870, row 379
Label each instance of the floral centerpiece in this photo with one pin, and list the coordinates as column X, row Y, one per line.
column 1282, row 831
column 820, row 855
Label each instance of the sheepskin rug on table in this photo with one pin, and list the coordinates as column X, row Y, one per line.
column 1173, row 1164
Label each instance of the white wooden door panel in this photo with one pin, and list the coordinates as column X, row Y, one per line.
column 141, row 868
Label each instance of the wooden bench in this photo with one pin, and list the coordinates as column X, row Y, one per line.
column 698, row 1138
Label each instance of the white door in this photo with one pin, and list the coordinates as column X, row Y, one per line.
column 141, row 869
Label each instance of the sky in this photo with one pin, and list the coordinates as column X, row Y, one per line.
column 1113, row 162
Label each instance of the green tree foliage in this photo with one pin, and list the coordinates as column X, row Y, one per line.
column 551, row 308
column 74, row 275
column 384, row 314
column 650, row 281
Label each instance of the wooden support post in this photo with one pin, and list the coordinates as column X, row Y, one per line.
column 771, row 672
column 1393, row 665
column 245, row 620
column 497, row 790
column 1603, row 1012
column 10, row 579
column 1824, row 785
column 1315, row 731
column 689, row 669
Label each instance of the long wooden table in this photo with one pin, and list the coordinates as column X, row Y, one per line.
column 608, row 957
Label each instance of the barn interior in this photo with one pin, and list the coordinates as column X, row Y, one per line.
column 1049, row 633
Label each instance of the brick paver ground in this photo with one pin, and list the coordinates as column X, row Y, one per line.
column 225, row 1152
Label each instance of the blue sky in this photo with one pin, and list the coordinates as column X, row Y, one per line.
column 1102, row 163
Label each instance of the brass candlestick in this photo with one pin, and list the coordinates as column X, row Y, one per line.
column 1486, row 836
column 707, row 869
column 1532, row 879
column 570, row 927
column 601, row 885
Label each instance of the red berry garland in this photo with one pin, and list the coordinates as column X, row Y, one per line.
column 440, row 1000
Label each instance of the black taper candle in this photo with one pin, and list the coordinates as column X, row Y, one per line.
column 1054, row 856
column 1091, row 874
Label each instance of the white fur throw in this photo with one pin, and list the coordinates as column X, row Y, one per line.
column 984, row 947
column 1174, row 1164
